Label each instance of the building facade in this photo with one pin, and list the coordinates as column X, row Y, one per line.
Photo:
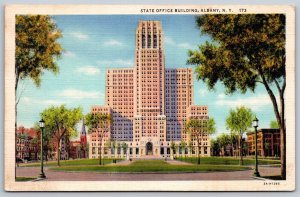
column 78, row 148
column 27, row 144
column 268, row 142
column 149, row 103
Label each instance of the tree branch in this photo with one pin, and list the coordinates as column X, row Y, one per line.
column 278, row 86
column 271, row 94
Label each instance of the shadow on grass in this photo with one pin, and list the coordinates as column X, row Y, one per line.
column 24, row 179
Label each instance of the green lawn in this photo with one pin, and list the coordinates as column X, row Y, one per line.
column 152, row 166
column 24, row 179
column 227, row 161
column 78, row 162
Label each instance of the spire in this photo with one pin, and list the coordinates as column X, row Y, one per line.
column 83, row 132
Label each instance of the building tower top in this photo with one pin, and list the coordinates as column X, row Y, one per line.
column 83, row 131
column 149, row 35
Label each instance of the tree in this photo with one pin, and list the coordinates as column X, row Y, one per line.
column 223, row 141
column 245, row 50
column 37, row 49
column 182, row 147
column 124, row 147
column 238, row 121
column 215, row 147
column 199, row 127
column 100, row 124
column 190, row 146
column 274, row 124
column 108, row 144
column 172, row 147
column 61, row 121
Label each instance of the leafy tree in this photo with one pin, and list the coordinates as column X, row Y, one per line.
column 274, row 124
column 214, row 144
column 190, row 145
column 61, row 121
column 223, row 141
column 100, row 124
column 37, row 47
column 245, row 50
column 124, row 147
column 108, row 144
column 172, row 147
column 182, row 147
column 197, row 128
column 238, row 121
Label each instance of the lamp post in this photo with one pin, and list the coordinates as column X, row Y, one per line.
column 255, row 125
column 42, row 125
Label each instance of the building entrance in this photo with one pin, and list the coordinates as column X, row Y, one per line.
column 149, row 148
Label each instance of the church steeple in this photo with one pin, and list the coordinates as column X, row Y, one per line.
column 83, row 134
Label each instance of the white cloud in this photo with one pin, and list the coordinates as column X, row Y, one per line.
column 88, row 70
column 117, row 62
column 79, row 35
column 113, row 43
column 47, row 102
column 69, row 54
column 80, row 94
column 203, row 92
column 185, row 45
column 221, row 96
column 255, row 102
column 169, row 40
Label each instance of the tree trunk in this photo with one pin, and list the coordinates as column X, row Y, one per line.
column 58, row 152
column 100, row 154
column 241, row 149
column 280, row 118
column 283, row 153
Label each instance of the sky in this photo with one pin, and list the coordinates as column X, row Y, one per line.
column 93, row 43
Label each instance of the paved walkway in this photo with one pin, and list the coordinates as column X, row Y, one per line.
column 97, row 176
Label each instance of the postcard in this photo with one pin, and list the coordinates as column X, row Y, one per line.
column 149, row 98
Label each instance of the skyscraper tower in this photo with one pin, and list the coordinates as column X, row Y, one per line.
column 149, row 98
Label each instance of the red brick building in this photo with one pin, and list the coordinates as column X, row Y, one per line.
column 27, row 144
column 268, row 142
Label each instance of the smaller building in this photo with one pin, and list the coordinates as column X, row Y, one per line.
column 268, row 142
column 78, row 149
column 27, row 144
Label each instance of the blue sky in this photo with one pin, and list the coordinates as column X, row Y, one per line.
column 94, row 43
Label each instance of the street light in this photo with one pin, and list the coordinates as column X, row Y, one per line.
column 255, row 125
column 42, row 125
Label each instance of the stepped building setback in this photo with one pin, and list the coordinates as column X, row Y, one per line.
column 149, row 104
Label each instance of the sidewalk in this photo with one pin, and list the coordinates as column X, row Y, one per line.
column 97, row 176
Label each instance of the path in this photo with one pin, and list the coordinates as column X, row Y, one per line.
column 96, row 176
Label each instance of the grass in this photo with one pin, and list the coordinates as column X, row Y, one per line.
column 77, row 162
column 152, row 166
column 227, row 161
column 24, row 179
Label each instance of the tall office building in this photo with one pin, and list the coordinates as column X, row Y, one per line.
column 149, row 103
